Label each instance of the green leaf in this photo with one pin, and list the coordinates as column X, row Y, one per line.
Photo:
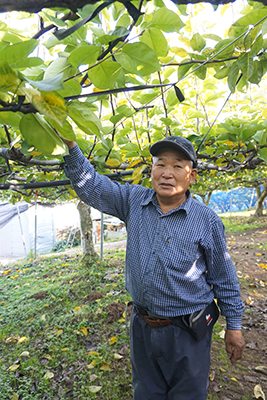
column 29, row 62
column 48, row 85
column 155, row 39
column 166, row 20
column 18, row 51
column 222, row 73
column 8, row 79
column 212, row 37
column 229, row 49
column 122, row 140
column 171, row 98
column 124, row 20
column 257, row 46
column 264, row 27
column 251, row 18
column 183, row 69
column 52, row 105
column 119, row 32
column 197, row 42
column 56, row 67
column 10, row 118
column 66, row 130
column 130, row 147
column 195, row 114
column 233, row 76
column 85, row 54
column 71, row 88
column 138, row 58
column 183, row 9
column 104, row 75
column 245, row 63
column 257, row 72
column 201, row 72
column 38, row 133
column 263, row 154
column 166, row 121
column 85, row 119
column 55, row 21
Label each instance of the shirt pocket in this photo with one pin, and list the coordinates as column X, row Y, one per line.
column 181, row 254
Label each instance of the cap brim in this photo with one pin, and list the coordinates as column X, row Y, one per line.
column 158, row 146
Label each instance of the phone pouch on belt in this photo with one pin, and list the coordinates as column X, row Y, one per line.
column 199, row 323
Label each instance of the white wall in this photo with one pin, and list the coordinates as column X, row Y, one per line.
column 11, row 237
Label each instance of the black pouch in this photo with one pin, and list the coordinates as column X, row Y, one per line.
column 199, row 323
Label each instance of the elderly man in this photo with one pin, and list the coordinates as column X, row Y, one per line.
column 176, row 264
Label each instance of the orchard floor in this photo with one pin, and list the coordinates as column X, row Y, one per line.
column 247, row 379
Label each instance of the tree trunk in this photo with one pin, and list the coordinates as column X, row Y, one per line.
column 261, row 197
column 86, row 229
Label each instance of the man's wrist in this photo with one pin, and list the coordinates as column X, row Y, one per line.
column 233, row 323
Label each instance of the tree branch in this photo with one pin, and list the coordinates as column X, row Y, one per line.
column 70, row 16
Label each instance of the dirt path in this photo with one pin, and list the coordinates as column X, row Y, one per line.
column 248, row 377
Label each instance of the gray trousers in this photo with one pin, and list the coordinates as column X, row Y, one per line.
column 168, row 363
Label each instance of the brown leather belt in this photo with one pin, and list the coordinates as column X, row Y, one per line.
column 155, row 322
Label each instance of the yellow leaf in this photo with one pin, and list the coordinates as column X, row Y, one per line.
column 6, row 272
column 36, row 153
column 258, row 393
column 96, row 361
column 113, row 340
column 233, row 379
column 221, row 334
column 212, row 376
column 93, row 353
column 93, row 377
column 14, row 367
column 48, row 357
column 179, row 51
column 261, row 368
column 43, row 317
column 90, row 366
column 84, row 330
column 113, row 162
column 70, row 281
column 22, row 339
column 65, row 349
column 77, row 332
column 25, row 354
column 94, row 389
column 49, row 375
column 117, row 356
column 52, row 105
column 59, row 332
column 77, row 308
column 105, row 366
column 15, row 396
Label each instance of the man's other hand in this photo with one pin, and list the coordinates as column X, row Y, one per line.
column 234, row 344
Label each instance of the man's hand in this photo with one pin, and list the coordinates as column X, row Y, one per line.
column 69, row 143
column 234, row 344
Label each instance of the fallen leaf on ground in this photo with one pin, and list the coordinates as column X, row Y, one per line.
column 258, row 393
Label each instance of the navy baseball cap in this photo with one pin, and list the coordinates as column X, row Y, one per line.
column 175, row 143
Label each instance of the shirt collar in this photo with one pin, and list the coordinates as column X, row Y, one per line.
column 151, row 198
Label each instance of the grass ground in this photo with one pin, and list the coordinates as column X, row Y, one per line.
column 63, row 332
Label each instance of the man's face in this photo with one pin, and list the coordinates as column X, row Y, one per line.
column 171, row 174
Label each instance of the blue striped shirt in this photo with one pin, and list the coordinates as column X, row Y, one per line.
column 177, row 262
